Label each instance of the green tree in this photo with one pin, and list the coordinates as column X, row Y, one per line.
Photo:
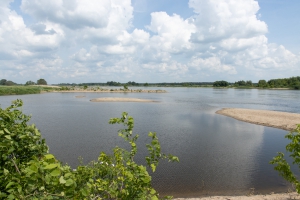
column 249, row 83
column 9, row 83
column 3, row 81
column 240, row 83
column 221, row 84
column 41, row 82
column 281, row 164
column 28, row 171
column 146, row 84
column 30, row 83
column 262, row 83
column 125, row 87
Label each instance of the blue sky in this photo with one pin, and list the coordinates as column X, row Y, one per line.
column 149, row 41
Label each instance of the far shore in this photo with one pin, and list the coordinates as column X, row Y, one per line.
column 115, row 99
column 276, row 119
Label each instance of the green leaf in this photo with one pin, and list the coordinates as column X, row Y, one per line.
column 7, row 131
column 8, row 137
column 55, row 172
column 62, row 180
column 1, row 132
column 153, row 167
column 152, row 191
column 9, row 184
column 49, row 156
column 67, row 175
column 69, row 182
column 51, row 166
column 154, row 198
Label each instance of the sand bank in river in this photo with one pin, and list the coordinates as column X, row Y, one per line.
column 281, row 120
column 112, row 99
column 283, row 196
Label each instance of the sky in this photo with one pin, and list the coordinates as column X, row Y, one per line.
column 75, row 41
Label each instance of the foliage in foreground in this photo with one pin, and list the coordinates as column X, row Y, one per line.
column 281, row 164
column 28, row 171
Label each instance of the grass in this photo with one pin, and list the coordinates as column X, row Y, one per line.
column 17, row 90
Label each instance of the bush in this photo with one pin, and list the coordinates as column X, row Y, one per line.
column 28, row 171
column 220, row 84
column 281, row 164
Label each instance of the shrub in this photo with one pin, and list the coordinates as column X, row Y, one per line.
column 28, row 171
column 281, row 164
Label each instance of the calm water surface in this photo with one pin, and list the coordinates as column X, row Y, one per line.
column 218, row 155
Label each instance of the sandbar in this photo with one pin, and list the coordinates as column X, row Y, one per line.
column 116, row 99
column 276, row 119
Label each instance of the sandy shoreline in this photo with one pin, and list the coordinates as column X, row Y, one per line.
column 276, row 119
column 282, row 196
column 115, row 99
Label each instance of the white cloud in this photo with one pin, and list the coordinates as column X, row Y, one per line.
column 81, row 41
column 72, row 14
column 221, row 19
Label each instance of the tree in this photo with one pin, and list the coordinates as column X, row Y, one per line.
column 249, row 83
column 125, row 87
column 28, row 171
column 2, row 81
column 41, row 82
column 281, row 164
column 262, row 83
column 220, row 84
column 240, row 83
column 146, row 84
column 30, row 83
column 9, row 83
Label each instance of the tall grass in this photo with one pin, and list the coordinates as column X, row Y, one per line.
column 17, row 90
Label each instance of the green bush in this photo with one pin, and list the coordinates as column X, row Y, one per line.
column 28, row 171
column 281, row 164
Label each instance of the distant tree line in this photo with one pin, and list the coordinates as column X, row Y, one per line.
column 6, row 82
column 10, row 83
column 132, row 83
column 292, row 83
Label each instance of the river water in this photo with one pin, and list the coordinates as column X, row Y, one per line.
column 218, row 155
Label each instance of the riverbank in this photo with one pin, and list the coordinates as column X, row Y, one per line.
column 282, row 196
column 112, row 99
column 20, row 90
column 276, row 119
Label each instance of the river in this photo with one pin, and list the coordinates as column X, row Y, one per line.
column 218, row 155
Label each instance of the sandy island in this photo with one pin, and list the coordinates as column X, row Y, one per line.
column 281, row 120
column 115, row 99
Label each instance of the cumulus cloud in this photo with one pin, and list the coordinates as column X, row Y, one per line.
column 81, row 41
column 25, row 52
